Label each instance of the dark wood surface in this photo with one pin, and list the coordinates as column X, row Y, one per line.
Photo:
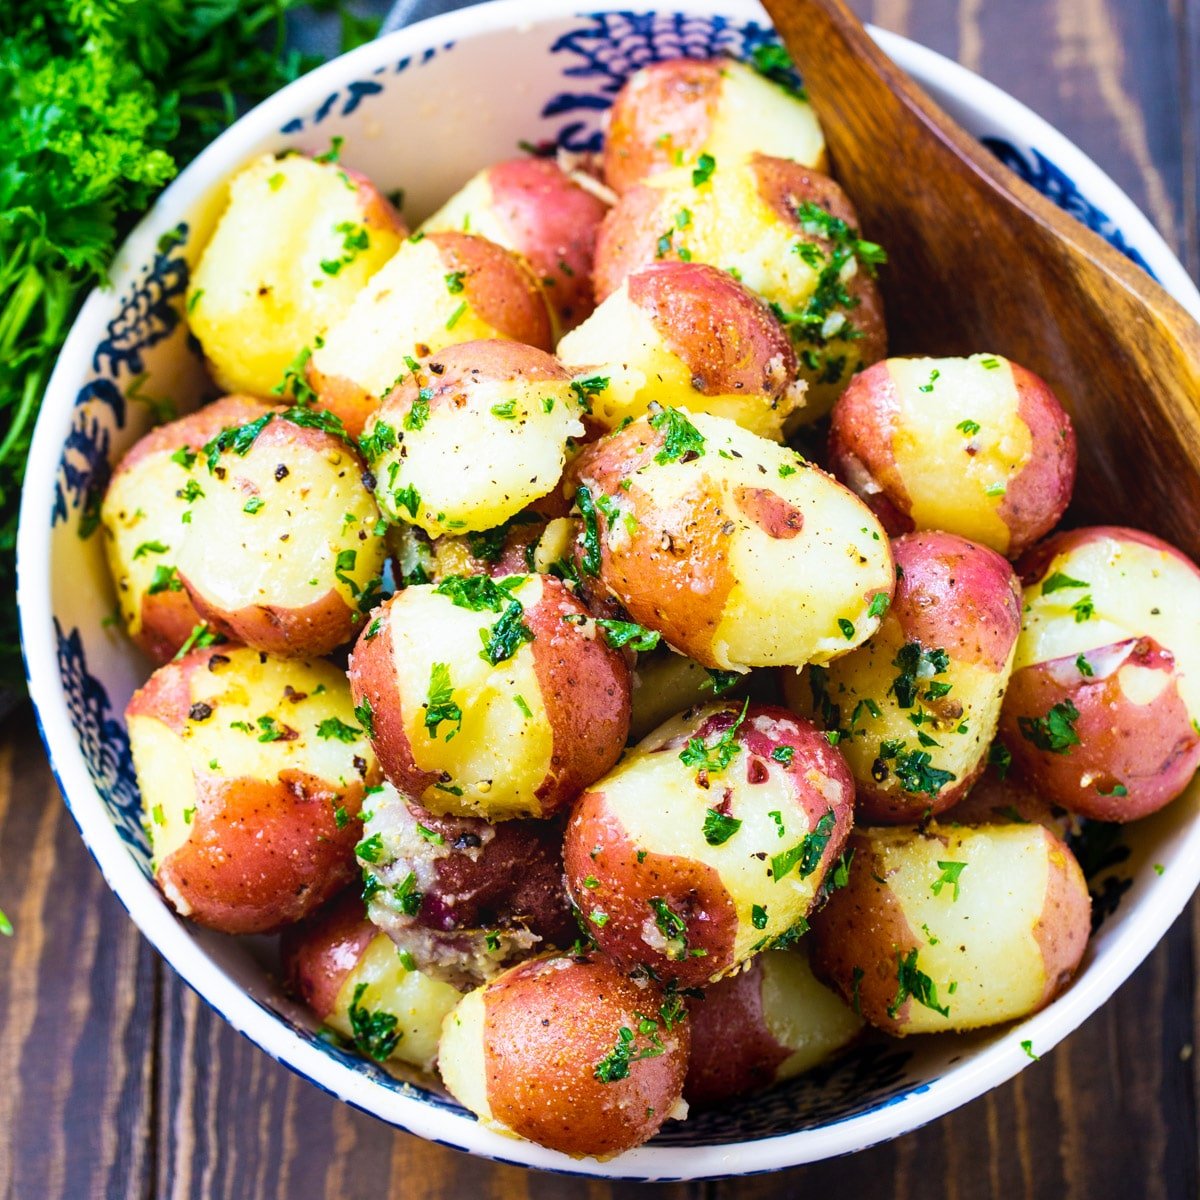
column 115, row 1081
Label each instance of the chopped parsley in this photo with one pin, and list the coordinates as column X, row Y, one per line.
column 847, row 628
column 915, row 663
column 150, row 548
column 377, row 1033
column 714, row 757
column 1084, row 667
column 718, row 827
column 807, row 852
column 376, row 443
column 164, row 579
column 478, row 592
column 585, row 389
column 1055, row 731
column 702, row 173
column 370, row 849
column 336, row 728
column 719, row 682
column 682, row 441
column 365, row 717
column 970, row 428
column 506, row 636
column 879, row 605
column 238, row 438
column 1057, row 581
column 950, row 872
column 591, row 558
column 629, row 633
column 440, row 705
column 758, row 916
column 911, row 981
column 672, row 926
column 784, row 754
column 1084, row 610
column 418, row 413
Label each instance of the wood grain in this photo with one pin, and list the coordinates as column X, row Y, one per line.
column 116, row 1081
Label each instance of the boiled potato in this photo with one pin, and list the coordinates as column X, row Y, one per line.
column 438, row 290
column 357, row 984
column 736, row 550
column 669, row 113
column 977, row 446
column 768, row 1023
column 1103, row 711
column 252, row 771
column 460, row 897
column 689, row 336
column 283, row 550
column 1002, row 795
column 569, row 1053
column 710, row 841
column 496, row 699
column 144, row 521
column 915, row 709
column 297, row 241
column 786, row 232
column 534, row 208
column 953, row 928
column 471, row 438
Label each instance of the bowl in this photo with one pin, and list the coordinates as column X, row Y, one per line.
column 409, row 107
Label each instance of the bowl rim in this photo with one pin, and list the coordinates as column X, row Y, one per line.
column 984, row 1069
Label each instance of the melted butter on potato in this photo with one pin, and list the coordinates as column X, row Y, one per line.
column 419, row 1003
column 1136, row 591
column 295, row 244
column 950, row 486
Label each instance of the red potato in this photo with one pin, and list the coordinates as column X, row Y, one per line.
column 669, row 113
column 350, row 976
column 690, row 336
column 515, row 730
column 297, row 241
column 475, row 436
column 143, row 521
column 953, row 927
column 550, row 218
column 568, row 1053
column 771, row 1022
column 283, row 550
column 976, row 446
column 710, row 841
column 916, row 708
column 1006, row 797
column 438, row 290
column 1103, row 711
column 786, row 232
column 732, row 547
column 252, row 773
column 461, row 897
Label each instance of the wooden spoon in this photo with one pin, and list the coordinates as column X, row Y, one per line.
column 980, row 262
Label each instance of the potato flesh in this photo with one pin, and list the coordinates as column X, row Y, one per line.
column 241, row 692
column 499, row 756
column 983, row 942
column 461, row 1058
column 754, row 115
column 801, row 1013
column 661, row 808
column 419, row 1003
column 259, row 294
column 141, row 509
column 406, row 309
column 621, row 343
column 1137, row 591
column 473, row 469
column 234, row 558
column 949, row 488
column 471, row 210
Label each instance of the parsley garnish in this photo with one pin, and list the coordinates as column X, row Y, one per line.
column 915, row 983
column 628, row 633
column 380, row 439
column 950, row 871
column 672, row 926
column 1058, row 581
column 440, row 705
column 682, row 441
column 238, row 438
column 335, row 727
column 807, row 852
column 915, row 664
column 369, row 849
column 164, row 580
column 375, row 1033
column 714, row 757
column 705, row 166
column 1055, row 731
column 719, row 828
column 506, row 636
column 784, row 754
column 970, row 428
column 365, row 717
column 591, row 558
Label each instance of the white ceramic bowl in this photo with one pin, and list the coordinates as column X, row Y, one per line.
column 423, row 109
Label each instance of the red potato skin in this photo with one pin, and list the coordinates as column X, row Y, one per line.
column 1063, row 928
column 168, row 618
column 665, row 108
column 722, row 332
column 1032, row 566
column 860, row 451
column 597, row 845
column 314, row 629
column 553, row 222
column 547, row 1027
column 378, row 211
column 322, row 950
column 993, row 800
column 1151, row 750
column 733, row 1051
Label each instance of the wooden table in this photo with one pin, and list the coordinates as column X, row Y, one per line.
column 116, row 1081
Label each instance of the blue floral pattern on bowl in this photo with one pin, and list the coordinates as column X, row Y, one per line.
column 596, row 56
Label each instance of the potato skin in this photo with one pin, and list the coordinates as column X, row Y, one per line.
column 669, row 113
column 660, row 887
column 489, row 438
column 252, row 813
column 413, row 307
column 535, row 209
column 746, row 218
column 1112, row 647
column 1009, row 937
column 737, row 551
column 500, row 761
column 263, row 558
column 768, row 1023
column 481, row 896
column 687, row 335
column 979, row 446
column 143, row 507
column 524, row 1051
column 320, row 952
column 956, row 614
column 295, row 243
